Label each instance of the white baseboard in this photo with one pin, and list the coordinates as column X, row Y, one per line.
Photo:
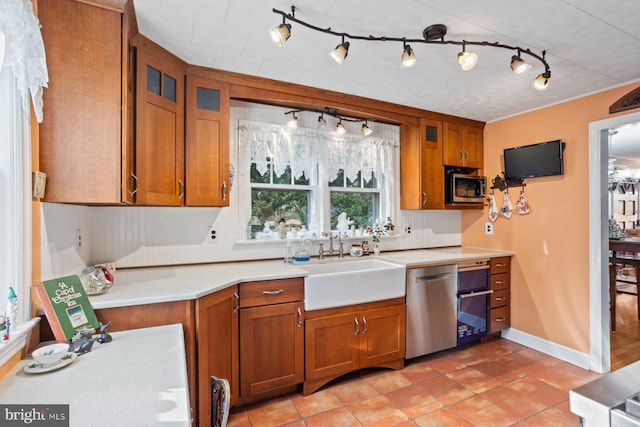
column 548, row 347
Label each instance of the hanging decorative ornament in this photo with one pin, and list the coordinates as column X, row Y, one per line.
column 522, row 204
column 507, row 207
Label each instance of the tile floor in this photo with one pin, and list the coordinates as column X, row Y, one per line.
column 495, row 383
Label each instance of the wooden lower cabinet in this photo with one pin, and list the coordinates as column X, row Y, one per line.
column 217, row 326
column 500, row 302
column 343, row 340
column 271, row 338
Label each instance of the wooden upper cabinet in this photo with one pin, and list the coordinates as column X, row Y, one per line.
column 160, row 98
column 85, row 137
column 421, row 168
column 462, row 146
column 207, row 142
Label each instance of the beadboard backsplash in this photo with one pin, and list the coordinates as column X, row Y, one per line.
column 75, row 236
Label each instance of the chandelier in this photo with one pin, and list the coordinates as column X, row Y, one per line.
column 433, row 34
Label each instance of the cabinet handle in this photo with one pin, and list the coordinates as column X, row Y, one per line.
column 424, row 198
column 500, row 319
column 299, row 317
column 364, row 325
column 135, row 181
column 466, row 156
column 462, row 156
column 500, row 282
column 237, row 307
column 181, row 189
column 279, row 291
column 357, row 326
column 501, row 298
column 500, row 264
column 224, row 190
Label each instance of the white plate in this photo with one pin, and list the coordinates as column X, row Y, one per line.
column 38, row 368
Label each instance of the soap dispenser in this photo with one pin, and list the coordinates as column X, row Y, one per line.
column 303, row 253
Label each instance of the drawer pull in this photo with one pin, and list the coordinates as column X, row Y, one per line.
column 500, row 319
column 500, row 264
column 364, row 325
column 500, row 282
column 237, row 307
column 357, row 326
column 278, row 292
column 501, row 298
column 299, row 317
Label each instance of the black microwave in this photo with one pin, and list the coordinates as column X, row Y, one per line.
column 463, row 188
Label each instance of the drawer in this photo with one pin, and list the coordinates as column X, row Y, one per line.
column 253, row 294
column 499, row 298
column 499, row 281
column 500, row 265
column 499, row 319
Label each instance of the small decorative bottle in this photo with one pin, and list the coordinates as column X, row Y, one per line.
column 365, row 247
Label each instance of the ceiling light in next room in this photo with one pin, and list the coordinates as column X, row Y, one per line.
column 433, row 35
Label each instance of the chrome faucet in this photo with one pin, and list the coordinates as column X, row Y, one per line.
column 330, row 243
column 321, row 250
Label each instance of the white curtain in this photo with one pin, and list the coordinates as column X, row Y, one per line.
column 22, row 50
column 300, row 148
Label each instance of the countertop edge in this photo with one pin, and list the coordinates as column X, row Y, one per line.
column 153, row 285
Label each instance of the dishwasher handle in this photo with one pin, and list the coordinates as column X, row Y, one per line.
column 474, row 294
column 432, row 278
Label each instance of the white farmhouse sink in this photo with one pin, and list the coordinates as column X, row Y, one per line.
column 340, row 283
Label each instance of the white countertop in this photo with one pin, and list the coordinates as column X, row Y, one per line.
column 138, row 379
column 166, row 284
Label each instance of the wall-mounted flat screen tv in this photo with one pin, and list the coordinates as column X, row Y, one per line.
column 529, row 161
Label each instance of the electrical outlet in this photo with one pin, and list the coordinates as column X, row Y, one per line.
column 212, row 235
column 488, row 228
column 78, row 238
column 407, row 229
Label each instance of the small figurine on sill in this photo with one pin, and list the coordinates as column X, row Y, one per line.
column 104, row 333
column 388, row 226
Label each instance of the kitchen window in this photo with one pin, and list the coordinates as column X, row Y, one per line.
column 304, row 178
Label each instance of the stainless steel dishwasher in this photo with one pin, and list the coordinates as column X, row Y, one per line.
column 431, row 309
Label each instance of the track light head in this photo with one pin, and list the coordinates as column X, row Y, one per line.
column 366, row 130
column 408, row 57
column 280, row 34
column 340, row 127
column 341, row 51
column 321, row 121
column 293, row 122
column 467, row 60
column 542, row 81
column 519, row 65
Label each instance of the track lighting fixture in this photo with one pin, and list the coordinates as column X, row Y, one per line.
column 433, row 34
column 519, row 65
column 408, row 57
column 280, row 34
column 467, row 60
column 542, row 81
column 339, row 54
column 293, row 122
column 366, row 130
column 340, row 128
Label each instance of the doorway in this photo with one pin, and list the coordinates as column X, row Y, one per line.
column 599, row 323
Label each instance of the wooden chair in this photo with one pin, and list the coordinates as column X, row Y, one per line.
column 220, row 393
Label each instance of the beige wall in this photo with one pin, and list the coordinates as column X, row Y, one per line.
column 550, row 273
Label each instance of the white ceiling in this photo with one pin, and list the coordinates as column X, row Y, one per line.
column 591, row 45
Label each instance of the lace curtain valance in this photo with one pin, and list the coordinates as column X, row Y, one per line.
column 300, row 148
column 24, row 53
